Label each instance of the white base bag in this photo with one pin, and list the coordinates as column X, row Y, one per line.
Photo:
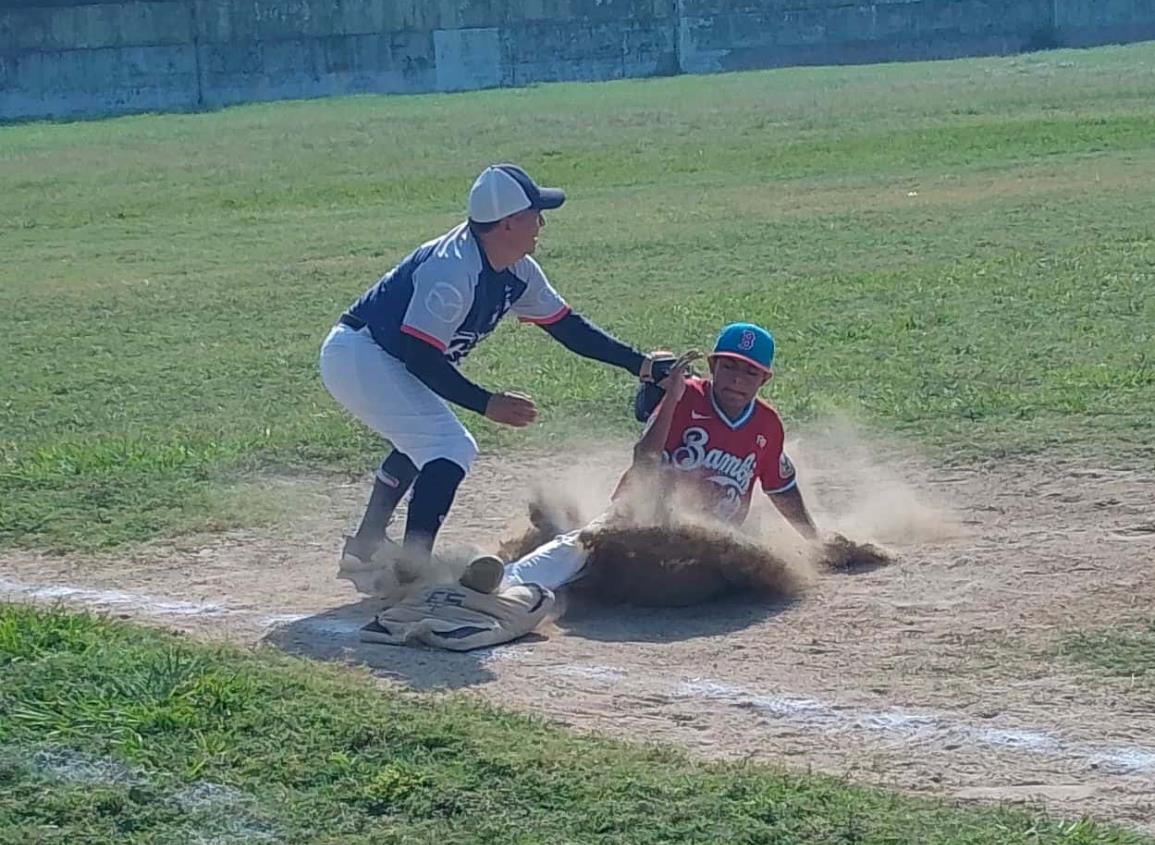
column 460, row 619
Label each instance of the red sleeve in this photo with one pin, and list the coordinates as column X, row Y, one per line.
column 777, row 471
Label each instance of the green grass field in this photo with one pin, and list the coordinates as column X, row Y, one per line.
column 1117, row 652
column 960, row 253
column 113, row 734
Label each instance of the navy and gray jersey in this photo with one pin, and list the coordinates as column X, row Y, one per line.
column 447, row 294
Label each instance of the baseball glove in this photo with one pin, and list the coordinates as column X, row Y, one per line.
column 647, row 395
column 841, row 554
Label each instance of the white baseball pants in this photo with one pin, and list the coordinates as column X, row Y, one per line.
column 377, row 389
column 553, row 564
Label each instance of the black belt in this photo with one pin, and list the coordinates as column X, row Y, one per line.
column 355, row 323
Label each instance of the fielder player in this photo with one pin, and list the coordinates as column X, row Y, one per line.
column 709, row 441
column 392, row 358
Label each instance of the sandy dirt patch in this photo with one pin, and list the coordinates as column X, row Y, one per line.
column 936, row 675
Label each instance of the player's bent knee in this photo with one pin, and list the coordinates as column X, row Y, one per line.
column 463, row 451
column 471, row 451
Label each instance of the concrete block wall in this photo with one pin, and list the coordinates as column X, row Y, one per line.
column 720, row 35
column 96, row 58
column 1085, row 23
column 277, row 49
column 83, row 58
column 269, row 49
column 61, row 58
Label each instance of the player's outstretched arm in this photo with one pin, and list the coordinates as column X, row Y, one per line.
column 580, row 336
column 792, row 506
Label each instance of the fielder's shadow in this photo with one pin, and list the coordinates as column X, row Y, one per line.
column 333, row 636
column 625, row 623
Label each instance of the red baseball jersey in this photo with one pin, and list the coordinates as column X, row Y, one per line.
column 722, row 458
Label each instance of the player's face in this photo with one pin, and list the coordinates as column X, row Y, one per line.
column 523, row 230
column 736, row 382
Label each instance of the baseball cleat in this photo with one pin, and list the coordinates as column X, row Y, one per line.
column 484, row 574
column 353, row 553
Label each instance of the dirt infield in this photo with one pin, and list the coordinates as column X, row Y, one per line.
column 937, row 674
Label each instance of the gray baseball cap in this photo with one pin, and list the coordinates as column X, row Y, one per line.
column 505, row 189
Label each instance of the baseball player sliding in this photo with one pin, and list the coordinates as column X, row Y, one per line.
column 392, row 358
column 708, row 442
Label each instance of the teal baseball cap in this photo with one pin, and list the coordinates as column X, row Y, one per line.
column 746, row 342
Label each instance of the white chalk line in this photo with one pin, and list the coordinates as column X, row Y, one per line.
column 911, row 727
column 926, row 729
column 149, row 605
column 916, row 728
column 591, row 673
column 107, row 598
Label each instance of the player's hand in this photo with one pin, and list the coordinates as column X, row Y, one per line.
column 675, row 383
column 515, row 409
